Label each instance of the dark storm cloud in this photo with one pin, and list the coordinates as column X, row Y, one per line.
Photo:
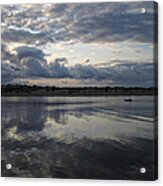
column 25, row 51
column 102, row 22
column 33, row 65
column 28, row 61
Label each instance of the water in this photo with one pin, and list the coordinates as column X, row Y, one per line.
column 78, row 137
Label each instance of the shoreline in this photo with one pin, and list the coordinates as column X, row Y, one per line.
column 75, row 95
column 28, row 91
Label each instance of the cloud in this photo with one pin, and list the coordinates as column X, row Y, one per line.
column 26, row 51
column 9, row 71
column 61, row 60
column 80, row 22
column 20, row 35
column 58, row 70
column 119, row 74
column 27, row 61
column 6, row 54
column 34, row 67
column 32, row 64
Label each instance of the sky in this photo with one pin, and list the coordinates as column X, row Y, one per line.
column 82, row 44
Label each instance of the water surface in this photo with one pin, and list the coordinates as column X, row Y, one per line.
column 78, row 137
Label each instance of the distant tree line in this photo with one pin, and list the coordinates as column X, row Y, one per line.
column 11, row 89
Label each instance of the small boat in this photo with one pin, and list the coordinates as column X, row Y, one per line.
column 128, row 100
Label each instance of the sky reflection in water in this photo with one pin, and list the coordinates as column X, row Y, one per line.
column 97, row 137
